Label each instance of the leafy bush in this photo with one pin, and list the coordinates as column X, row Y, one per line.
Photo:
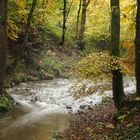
column 52, row 65
column 100, row 65
column 97, row 67
column 133, row 135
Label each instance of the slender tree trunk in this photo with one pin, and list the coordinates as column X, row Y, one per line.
column 117, row 81
column 3, row 41
column 81, row 43
column 64, row 21
column 66, row 11
column 137, row 49
column 26, row 34
column 78, row 19
column 69, row 9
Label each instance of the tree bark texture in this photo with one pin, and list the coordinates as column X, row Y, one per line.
column 78, row 20
column 3, row 41
column 137, row 49
column 81, row 43
column 64, row 21
column 117, row 80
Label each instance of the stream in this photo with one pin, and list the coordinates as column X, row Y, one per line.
column 43, row 108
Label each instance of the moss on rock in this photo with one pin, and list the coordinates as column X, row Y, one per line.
column 6, row 103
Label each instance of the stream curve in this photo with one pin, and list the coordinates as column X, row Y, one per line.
column 43, row 108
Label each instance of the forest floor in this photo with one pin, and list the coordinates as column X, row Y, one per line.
column 103, row 122
column 53, row 61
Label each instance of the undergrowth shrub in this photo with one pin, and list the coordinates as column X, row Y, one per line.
column 97, row 67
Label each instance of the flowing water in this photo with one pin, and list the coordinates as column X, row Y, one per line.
column 13, row 126
column 42, row 109
column 37, row 116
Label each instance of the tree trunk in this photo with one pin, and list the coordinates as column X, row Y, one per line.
column 3, row 41
column 81, row 43
column 137, row 49
column 66, row 11
column 64, row 21
column 78, row 19
column 26, row 34
column 117, row 80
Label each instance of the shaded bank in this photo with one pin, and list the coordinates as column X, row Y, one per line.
column 6, row 104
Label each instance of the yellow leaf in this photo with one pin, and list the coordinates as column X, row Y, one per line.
column 110, row 125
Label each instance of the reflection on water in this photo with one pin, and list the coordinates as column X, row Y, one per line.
column 12, row 128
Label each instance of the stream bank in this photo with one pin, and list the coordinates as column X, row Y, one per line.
column 43, row 109
column 6, row 103
column 103, row 122
column 37, row 114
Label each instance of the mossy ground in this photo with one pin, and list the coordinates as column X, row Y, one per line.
column 6, row 103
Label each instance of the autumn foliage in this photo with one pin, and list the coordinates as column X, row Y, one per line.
column 101, row 65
